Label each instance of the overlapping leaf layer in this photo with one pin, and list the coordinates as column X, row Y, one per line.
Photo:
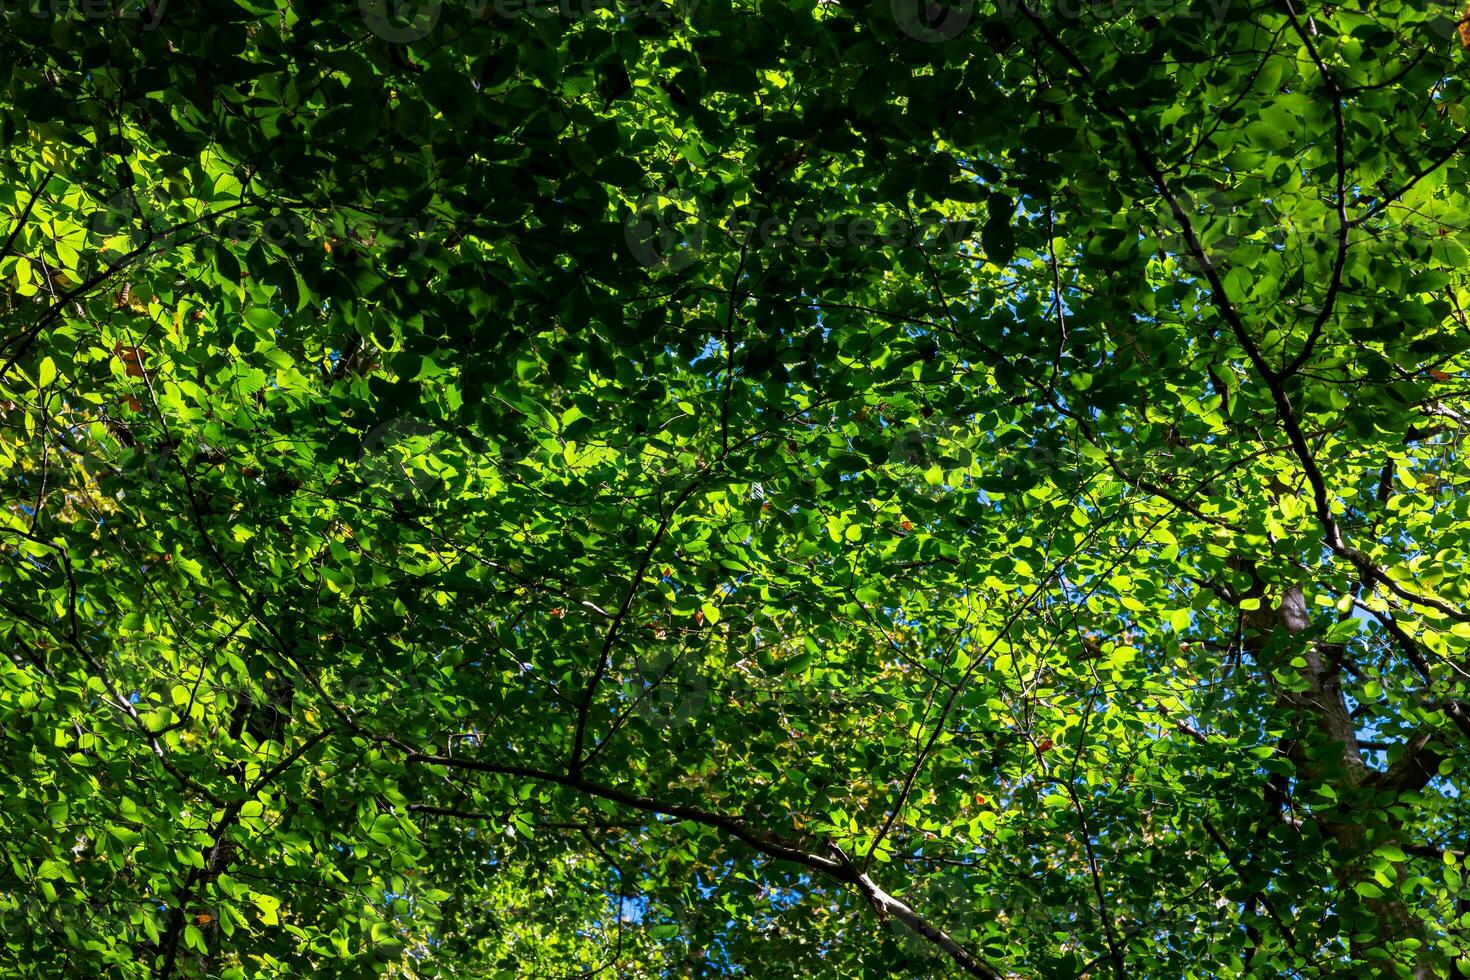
column 816, row 489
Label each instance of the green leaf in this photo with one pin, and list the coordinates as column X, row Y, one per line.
column 480, row 474
column 267, row 906
column 262, row 319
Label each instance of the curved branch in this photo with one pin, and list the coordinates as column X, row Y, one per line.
column 836, row 867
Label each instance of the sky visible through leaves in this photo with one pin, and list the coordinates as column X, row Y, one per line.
column 631, row 488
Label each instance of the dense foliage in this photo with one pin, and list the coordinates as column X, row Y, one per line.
column 805, row 488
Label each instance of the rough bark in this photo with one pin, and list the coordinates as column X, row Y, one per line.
column 1323, row 746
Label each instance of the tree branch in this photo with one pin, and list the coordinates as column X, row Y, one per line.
column 837, row 868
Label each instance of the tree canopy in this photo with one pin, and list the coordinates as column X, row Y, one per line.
column 586, row 488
